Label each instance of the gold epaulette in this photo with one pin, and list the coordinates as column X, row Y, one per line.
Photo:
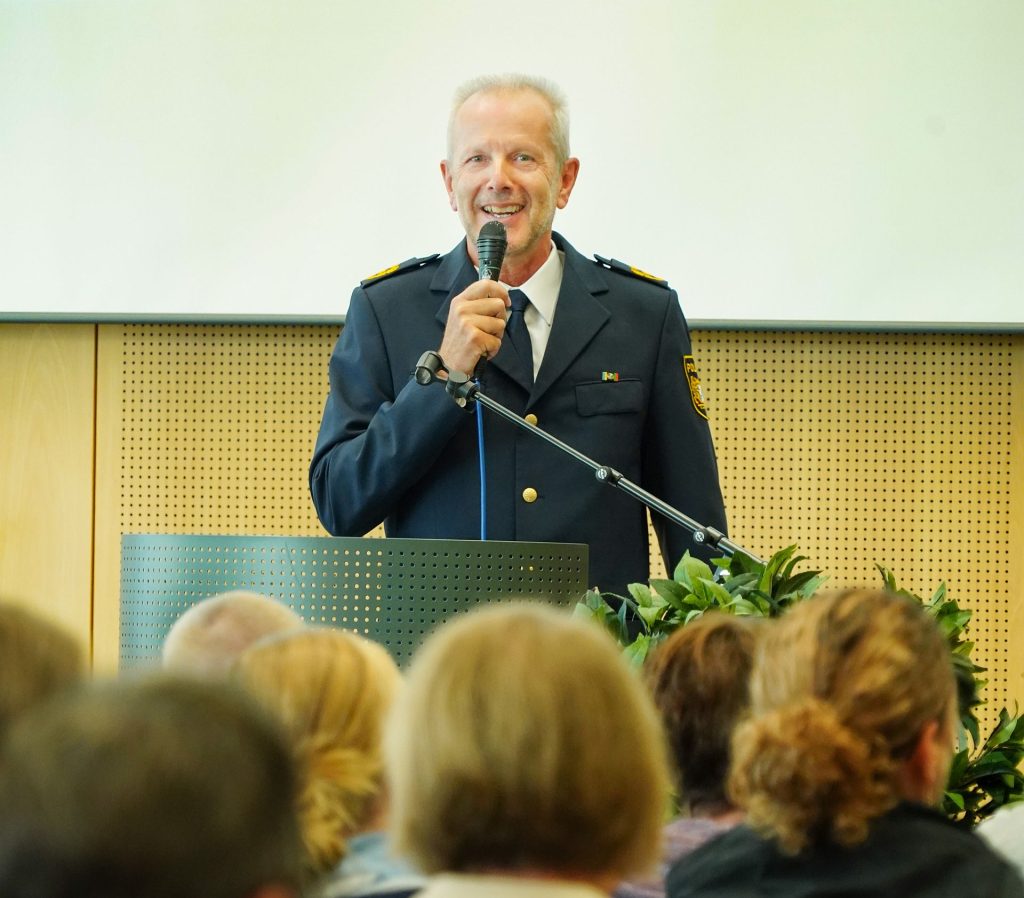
column 616, row 265
column 407, row 265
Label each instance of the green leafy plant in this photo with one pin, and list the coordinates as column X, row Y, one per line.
column 985, row 774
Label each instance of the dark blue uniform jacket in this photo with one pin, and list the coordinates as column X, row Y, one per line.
column 612, row 384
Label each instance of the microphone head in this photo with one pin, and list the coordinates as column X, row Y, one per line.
column 490, row 249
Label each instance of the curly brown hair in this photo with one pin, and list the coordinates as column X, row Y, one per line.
column 842, row 687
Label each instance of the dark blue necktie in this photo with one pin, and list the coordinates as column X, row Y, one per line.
column 518, row 334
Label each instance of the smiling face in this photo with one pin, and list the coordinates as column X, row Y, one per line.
column 503, row 166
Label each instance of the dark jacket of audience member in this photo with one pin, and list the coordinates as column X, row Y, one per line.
column 157, row 789
column 845, row 756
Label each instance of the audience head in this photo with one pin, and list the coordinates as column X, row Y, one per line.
column 331, row 689
column 700, row 680
column 524, row 744
column 153, row 789
column 37, row 659
column 853, row 709
column 208, row 638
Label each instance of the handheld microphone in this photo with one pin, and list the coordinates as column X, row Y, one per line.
column 490, row 250
column 491, row 243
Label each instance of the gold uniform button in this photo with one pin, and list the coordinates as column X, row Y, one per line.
column 531, row 419
column 529, row 494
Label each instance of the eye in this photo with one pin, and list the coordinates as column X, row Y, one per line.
column 523, row 157
column 477, row 157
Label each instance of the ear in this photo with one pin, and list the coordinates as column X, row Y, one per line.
column 446, row 174
column 924, row 772
column 570, row 171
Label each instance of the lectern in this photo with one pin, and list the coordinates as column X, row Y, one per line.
column 391, row 590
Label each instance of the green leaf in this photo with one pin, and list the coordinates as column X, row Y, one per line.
column 888, row 579
column 1006, row 730
column 744, row 608
column 636, row 651
column 675, row 594
column 649, row 614
column 689, row 570
column 641, row 594
column 955, row 799
column 713, row 593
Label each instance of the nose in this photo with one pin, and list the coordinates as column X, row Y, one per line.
column 499, row 180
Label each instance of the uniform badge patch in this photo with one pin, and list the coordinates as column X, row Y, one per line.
column 696, row 391
column 610, row 375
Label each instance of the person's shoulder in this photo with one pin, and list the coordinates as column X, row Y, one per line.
column 631, row 273
column 389, row 274
column 722, row 863
column 968, row 858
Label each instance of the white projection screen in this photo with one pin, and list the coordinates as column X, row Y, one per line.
column 853, row 162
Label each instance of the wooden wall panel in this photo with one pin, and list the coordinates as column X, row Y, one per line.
column 47, row 375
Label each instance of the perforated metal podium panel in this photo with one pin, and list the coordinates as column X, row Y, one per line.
column 392, row 590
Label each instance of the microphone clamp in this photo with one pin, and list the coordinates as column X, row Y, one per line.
column 427, row 367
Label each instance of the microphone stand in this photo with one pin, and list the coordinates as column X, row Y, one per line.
column 466, row 391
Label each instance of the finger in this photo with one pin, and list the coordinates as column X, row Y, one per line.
column 488, row 324
column 483, row 290
column 491, row 305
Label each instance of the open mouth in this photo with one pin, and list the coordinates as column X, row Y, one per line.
column 500, row 212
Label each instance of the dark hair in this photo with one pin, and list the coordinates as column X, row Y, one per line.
column 700, row 680
column 37, row 660
column 153, row 789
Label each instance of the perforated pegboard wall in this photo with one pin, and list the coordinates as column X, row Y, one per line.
column 394, row 591
column 218, row 427
column 897, row 448
column 865, row 448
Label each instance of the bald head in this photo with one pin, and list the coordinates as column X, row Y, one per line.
column 206, row 639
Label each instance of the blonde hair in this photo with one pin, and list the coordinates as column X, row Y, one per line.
column 37, row 659
column 209, row 636
column 331, row 689
column 842, row 687
column 513, row 83
column 523, row 741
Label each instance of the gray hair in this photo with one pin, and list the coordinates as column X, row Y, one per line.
column 550, row 91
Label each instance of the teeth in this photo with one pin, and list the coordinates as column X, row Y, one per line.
column 502, row 210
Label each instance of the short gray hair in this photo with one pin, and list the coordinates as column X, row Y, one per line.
column 510, row 83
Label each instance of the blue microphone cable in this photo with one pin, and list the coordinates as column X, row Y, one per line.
column 479, row 412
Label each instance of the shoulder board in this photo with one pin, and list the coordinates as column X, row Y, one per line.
column 407, row 265
column 616, row 265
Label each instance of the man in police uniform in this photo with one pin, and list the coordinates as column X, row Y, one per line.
column 606, row 367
